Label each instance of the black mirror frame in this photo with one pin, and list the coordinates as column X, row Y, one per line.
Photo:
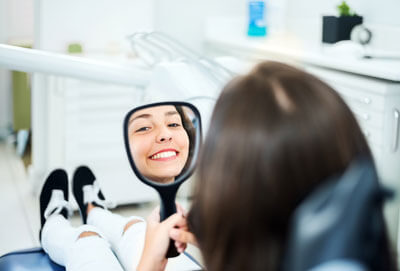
column 167, row 192
column 197, row 143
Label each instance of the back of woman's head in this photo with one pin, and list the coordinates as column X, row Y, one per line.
column 275, row 134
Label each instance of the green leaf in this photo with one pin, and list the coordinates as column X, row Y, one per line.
column 344, row 9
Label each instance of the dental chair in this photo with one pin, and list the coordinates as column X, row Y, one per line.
column 34, row 259
column 339, row 226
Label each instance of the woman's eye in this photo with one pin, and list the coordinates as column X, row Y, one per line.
column 142, row 129
column 174, row 125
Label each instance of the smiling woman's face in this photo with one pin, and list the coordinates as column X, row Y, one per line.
column 158, row 143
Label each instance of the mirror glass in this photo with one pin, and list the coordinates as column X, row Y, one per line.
column 162, row 141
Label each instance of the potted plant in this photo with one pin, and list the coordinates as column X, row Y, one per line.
column 339, row 28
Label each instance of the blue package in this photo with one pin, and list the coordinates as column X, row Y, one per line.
column 257, row 20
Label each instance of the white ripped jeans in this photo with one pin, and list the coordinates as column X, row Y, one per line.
column 114, row 250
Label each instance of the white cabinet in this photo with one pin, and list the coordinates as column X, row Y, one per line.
column 84, row 124
column 93, row 135
column 376, row 105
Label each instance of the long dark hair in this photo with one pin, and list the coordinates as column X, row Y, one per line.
column 191, row 132
column 275, row 135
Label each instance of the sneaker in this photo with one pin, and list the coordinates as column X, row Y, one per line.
column 87, row 190
column 54, row 197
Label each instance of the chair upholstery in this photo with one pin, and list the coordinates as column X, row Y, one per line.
column 341, row 221
column 34, row 259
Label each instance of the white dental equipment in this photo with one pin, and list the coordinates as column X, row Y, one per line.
column 160, row 78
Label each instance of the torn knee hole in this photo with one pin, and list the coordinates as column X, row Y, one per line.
column 87, row 234
column 130, row 223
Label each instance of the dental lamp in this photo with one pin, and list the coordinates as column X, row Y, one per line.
column 33, row 60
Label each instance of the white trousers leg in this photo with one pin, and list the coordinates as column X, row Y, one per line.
column 127, row 246
column 61, row 243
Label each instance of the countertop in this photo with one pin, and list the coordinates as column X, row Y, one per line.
column 344, row 58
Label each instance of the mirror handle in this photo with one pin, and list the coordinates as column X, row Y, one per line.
column 168, row 208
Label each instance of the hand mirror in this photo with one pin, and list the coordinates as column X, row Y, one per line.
column 162, row 141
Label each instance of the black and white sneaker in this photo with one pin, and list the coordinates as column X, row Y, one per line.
column 86, row 190
column 54, row 197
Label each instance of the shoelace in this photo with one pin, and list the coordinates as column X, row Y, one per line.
column 57, row 203
column 91, row 195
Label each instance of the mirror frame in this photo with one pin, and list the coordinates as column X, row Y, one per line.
column 197, row 143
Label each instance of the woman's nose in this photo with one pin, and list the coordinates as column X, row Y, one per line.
column 164, row 136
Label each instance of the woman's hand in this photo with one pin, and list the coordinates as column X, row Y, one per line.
column 181, row 235
column 157, row 240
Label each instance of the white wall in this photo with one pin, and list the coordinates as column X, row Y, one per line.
column 3, row 21
column 304, row 17
column 382, row 12
column 4, row 93
column 99, row 25
column 20, row 19
column 184, row 19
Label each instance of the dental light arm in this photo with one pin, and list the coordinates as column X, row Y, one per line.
column 32, row 60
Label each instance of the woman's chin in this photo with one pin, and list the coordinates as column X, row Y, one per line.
column 163, row 180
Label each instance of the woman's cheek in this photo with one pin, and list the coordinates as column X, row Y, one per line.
column 183, row 140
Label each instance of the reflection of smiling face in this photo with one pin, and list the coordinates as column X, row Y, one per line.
column 158, row 143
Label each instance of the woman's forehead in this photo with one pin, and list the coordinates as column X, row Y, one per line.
column 162, row 110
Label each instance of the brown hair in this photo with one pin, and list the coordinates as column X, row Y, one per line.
column 275, row 134
column 191, row 132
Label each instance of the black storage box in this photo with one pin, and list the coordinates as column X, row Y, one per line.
column 338, row 28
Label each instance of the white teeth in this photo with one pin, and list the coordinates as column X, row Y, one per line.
column 164, row 155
